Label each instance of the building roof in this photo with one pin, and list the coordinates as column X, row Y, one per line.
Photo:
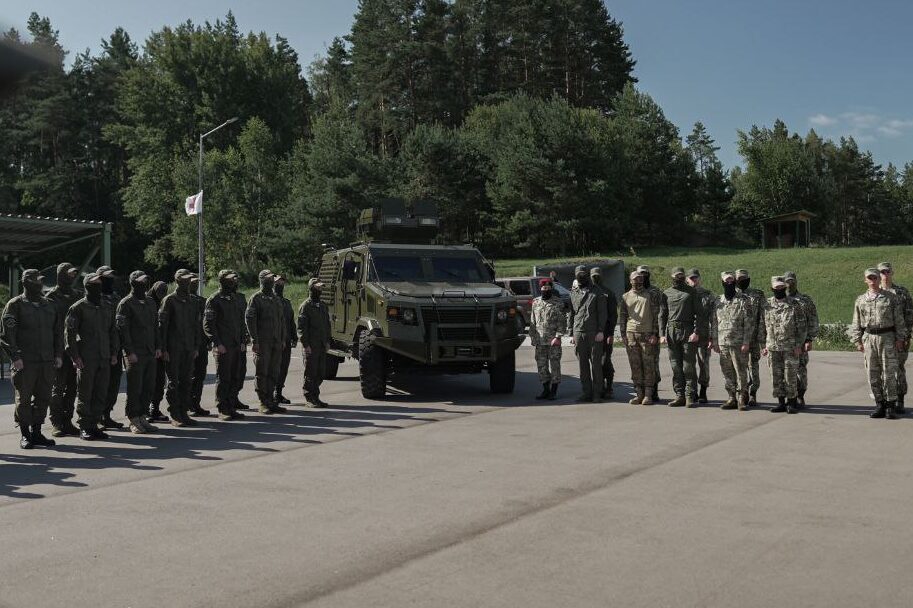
column 801, row 214
column 30, row 234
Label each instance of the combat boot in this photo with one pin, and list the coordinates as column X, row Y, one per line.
column 679, row 401
column 638, row 397
column 899, row 407
column 265, row 409
column 64, row 429
column 553, row 392
column 280, row 398
column 648, row 398
column 702, row 396
column 800, row 401
column 40, row 440
column 546, row 391
column 781, row 405
column 155, row 414
column 26, row 441
column 691, row 400
column 609, row 389
column 743, row 401
column 87, row 435
column 891, row 411
column 145, row 424
column 729, row 404
column 880, row 410
column 110, row 423
column 198, row 411
column 278, row 409
column 136, row 428
column 753, row 399
column 792, row 406
column 241, row 406
column 655, row 394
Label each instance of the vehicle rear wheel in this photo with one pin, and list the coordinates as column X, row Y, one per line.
column 372, row 366
column 501, row 374
column 332, row 367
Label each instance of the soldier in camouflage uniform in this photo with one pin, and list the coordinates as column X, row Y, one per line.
column 811, row 317
column 608, row 369
column 587, row 318
column 547, row 325
column 706, row 306
column 678, row 331
column 639, row 321
column 731, row 330
column 783, row 330
column 756, row 299
column 656, row 299
column 878, row 331
column 888, row 284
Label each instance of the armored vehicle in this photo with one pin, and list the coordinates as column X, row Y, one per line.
column 400, row 304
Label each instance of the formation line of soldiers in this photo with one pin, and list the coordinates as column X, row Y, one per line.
column 68, row 350
column 742, row 325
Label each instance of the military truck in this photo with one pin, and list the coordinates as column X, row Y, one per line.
column 400, row 304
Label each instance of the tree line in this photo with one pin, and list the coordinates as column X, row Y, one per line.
column 522, row 120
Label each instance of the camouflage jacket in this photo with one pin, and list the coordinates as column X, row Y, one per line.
column 906, row 300
column 547, row 321
column 706, row 302
column 882, row 311
column 811, row 314
column 638, row 313
column 731, row 322
column 783, row 324
column 756, row 300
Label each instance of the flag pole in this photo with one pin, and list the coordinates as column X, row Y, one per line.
column 201, row 270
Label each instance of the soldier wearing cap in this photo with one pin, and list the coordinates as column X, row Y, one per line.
column 678, row 321
column 656, row 296
column 289, row 315
column 878, row 330
column 92, row 343
column 32, row 339
column 223, row 322
column 587, row 318
column 706, row 305
column 157, row 293
column 639, row 321
column 783, row 330
column 111, row 299
column 547, row 324
column 811, row 316
column 314, row 334
column 63, row 395
column 180, row 335
column 608, row 369
column 731, row 332
column 201, row 359
column 137, row 326
column 267, row 329
column 887, row 284
column 756, row 299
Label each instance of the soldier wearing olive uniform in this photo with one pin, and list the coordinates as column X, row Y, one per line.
column 63, row 395
column 223, row 322
column 587, row 318
column 314, row 334
column 608, row 369
column 179, row 326
column 289, row 315
column 201, row 360
column 706, row 305
column 137, row 326
column 656, row 298
column 267, row 329
column 111, row 298
column 678, row 319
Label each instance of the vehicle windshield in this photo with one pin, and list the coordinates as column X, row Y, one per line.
column 399, row 268
column 461, row 270
column 416, row 267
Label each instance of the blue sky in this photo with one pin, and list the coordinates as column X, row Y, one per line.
column 840, row 66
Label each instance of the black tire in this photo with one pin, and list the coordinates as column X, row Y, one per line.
column 501, row 374
column 332, row 367
column 372, row 366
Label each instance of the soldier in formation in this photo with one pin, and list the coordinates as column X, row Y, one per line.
column 656, row 297
column 223, row 322
column 811, row 318
column 639, row 321
column 288, row 315
column 608, row 369
column 887, row 284
column 706, row 303
column 878, row 330
column 111, row 299
column 267, row 329
column 63, row 395
column 314, row 335
column 201, row 360
column 732, row 330
column 678, row 319
column 783, row 330
column 587, row 318
column 137, row 326
column 547, row 325
column 178, row 320
column 756, row 298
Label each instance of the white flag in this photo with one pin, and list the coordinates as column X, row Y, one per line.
column 194, row 204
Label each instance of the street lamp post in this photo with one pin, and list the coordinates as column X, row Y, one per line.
column 201, row 265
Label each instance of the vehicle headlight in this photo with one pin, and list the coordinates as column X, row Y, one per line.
column 502, row 315
column 408, row 315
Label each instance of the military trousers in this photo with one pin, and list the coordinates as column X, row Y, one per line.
column 284, row 363
column 63, row 395
column 642, row 357
column 92, row 392
column 681, row 358
column 179, row 371
column 754, row 368
column 140, row 385
column 161, row 378
column 32, row 385
column 802, row 382
column 315, row 369
column 114, row 377
column 548, row 363
column 589, row 356
column 228, row 378
column 702, row 360
column 901, row 368
column 734, row 368
column 198, row 377
column 608, row 368
column 881, row 365
column 784, row 373
column 266, row 363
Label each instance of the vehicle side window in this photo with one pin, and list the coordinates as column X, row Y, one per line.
column 500, row 284
column 521, row 288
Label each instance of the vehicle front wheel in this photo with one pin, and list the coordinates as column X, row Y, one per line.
column 502, row 374
column 372, row 366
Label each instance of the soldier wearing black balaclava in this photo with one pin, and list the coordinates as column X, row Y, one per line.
column 111, row 299
column 223, row 322
column 314, row 334
column 201, row 361
column 178, row 325
column 266, row 326
column 656, row 299
column 63, row 395
column 157, row 293
column 32, row 339
column 137, row 324
column 291, row 332
column 587, row 319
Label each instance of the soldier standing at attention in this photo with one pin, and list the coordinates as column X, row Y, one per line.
column 656, row 296
column 639, row 319
column 588, row 317
column 677, row 329
column 178, row 324
column 731, row 331
column 608, row 369
column 33, row 340
column 878, row 331
column 92, row 342
column 756, row 299
column 111, row 299
column 223, row 322
column 706, row 304
column 547, row 325
column 137, row 325
column 314, row 333
column 201, row 360
column 811, row 318
column 266, row 326
column 291, row 332
column 63, row 395
column 158, row 293
column 903, row 294
column 783, row 330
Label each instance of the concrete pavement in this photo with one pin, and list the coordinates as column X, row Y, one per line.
column 444, row 495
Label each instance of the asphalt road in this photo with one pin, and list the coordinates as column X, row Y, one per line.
column 444, row 495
